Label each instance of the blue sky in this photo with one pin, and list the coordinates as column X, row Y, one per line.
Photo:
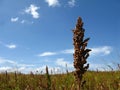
column 37, row 33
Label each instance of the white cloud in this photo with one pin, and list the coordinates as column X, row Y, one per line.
column 25, row 65
column 21, row 69
column 32, row 10
column 71, row 3
column 23, row 21
column 102, row 67
column 63, row 63
column 96, row 66
column 11, row 66
column 53, row 3
column 47, row 54
column 104, row 50
column 68, row 51
column 5, row 68
column 55, row 70
column 3, row 61
column 11, row 69
column 11, row 46
column 26, row 21
column 14, row 19
column 12, row 63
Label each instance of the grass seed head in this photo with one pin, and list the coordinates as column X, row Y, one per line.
column 80, row 52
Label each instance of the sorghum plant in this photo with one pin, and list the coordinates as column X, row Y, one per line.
column 80, row 52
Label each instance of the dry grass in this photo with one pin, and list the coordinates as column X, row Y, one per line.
column 80, row 53
column 94, row 81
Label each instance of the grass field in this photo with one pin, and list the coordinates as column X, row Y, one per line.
column 94, row 80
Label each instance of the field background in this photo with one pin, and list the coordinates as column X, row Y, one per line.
column 93, row 80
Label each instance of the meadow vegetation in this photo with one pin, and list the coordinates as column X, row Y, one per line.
column 94, row 80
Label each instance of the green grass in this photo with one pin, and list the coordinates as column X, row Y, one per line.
column 94, row 81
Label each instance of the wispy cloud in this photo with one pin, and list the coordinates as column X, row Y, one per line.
column 68, row 51
column 96, row 66
column 102, row 67
column 47, row 54
column 10, row 66
column 71, row 3
column 103, row 50
column 23, row 21
column 11, row 46
column 14, row 19
column 3, row 61
column 26, row 21
column 63, row 63
column 25, row 68
column 6, row 68
column 50, row 68
column 32, row 10
column 25, row 65
column 52, row 3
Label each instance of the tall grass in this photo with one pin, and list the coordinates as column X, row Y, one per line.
column 80, row 53
column 95, row 80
